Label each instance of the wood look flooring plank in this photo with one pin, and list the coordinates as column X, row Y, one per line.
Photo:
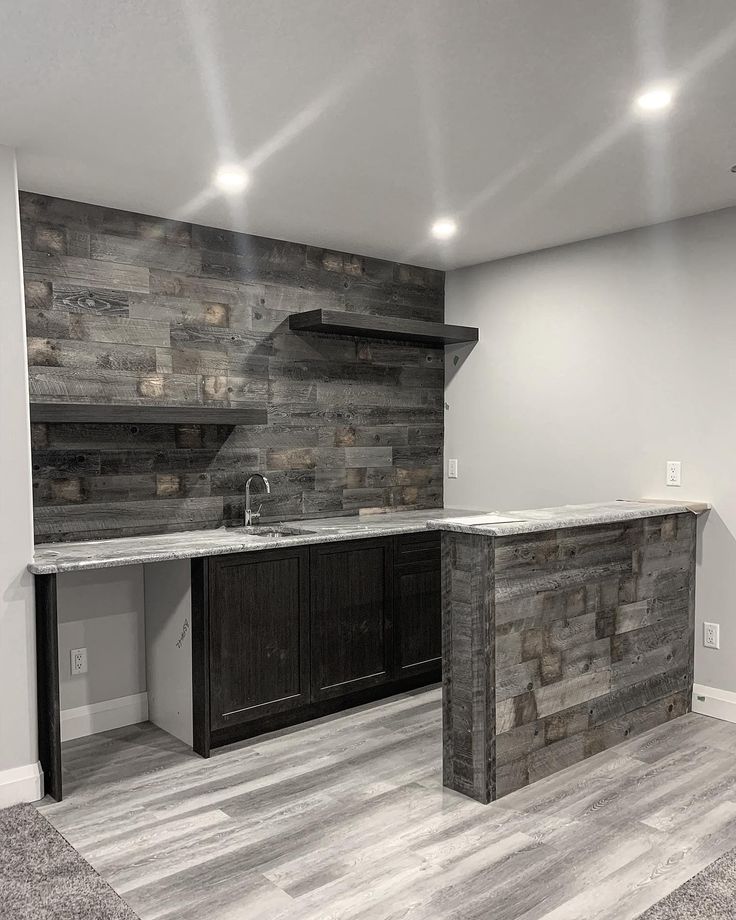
column 346, row 818
column 544, row 873
column 627, row 893
column 353, row 838
column 301, row 873
column 712, row 786
column 110, row 855
column 248, row 843
column 614, row 854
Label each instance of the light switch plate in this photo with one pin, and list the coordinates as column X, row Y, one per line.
column 674, row 473
column 452, row 469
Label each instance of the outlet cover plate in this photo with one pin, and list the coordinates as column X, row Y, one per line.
column 712, row 635
column 673, row 476
column 78, row 661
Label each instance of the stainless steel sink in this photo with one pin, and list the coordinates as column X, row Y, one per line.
column 266, row 530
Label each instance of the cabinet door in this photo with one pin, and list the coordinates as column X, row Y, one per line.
column 418, row 604
column 259, row 634
column 351, row 616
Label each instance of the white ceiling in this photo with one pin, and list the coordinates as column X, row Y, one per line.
column 361, row 121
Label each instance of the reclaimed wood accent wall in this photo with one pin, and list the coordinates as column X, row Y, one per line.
column 127, row 309
column 593, row 643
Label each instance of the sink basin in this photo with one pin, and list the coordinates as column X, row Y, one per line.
column 266, row 530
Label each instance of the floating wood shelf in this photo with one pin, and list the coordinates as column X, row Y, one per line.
column 147, row 415
column 337, row 322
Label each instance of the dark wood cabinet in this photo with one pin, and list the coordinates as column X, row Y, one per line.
column 351, row 616
column 258, row 634
column 283, row 636
column 418, row 604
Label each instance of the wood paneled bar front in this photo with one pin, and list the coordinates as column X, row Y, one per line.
column 561, row 642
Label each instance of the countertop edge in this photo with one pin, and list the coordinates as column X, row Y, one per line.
column 517, row 527
column 263, row 543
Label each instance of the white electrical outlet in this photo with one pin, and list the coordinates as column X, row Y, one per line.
column 711, row 635
column 79, row 661
column 452, row 469
column 674, row 473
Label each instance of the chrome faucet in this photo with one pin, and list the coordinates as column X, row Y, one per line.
column 252, row 516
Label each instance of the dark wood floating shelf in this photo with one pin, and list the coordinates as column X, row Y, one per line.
column 147, row 415
column 338, row 322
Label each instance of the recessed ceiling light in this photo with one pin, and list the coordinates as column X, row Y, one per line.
column 444, row 228
column 231, row 178
column 656, row 99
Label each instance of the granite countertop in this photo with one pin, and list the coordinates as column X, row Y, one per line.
column 54, row 558
column 509, row 523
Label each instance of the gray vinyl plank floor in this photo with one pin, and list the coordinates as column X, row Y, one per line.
column 347, row 818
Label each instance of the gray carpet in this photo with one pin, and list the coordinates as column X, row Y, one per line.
column 709, row 895
column 42, row 876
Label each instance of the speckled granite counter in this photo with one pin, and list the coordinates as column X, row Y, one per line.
column 55, row 558
column 508, row 523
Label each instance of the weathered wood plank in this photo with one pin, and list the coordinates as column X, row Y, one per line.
column 62, row 413
column 67, row 384
column 53, row 352
column 150, row 253
column 76, row 299
column 234, row 390
column 38, row 295
column 47, row 323
column 114, row 516
column 367, row 436
column 117, row 329
column 187, row 311
column 350, row 457
column 39, row 266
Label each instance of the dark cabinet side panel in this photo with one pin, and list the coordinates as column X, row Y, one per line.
column 259, row 634
column 418, row 621
column 418, row 604
column 351, row 616
column 47, row 685
column 201, row 722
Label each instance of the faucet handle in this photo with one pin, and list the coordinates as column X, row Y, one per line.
column 256, row 515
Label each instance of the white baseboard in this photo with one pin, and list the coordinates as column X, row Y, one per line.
column 21, row 784
column 709, row 701
column 101, row 717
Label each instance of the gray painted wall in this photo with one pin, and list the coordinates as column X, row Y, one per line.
column 102, row 611
column 18, row 746
column 598, row 362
